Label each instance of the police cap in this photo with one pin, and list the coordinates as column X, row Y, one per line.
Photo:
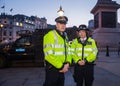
column 82, row 27
column 61, row 19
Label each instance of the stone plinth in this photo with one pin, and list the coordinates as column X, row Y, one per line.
column 107, row 37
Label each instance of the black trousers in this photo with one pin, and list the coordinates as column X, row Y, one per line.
column 53, row 77
column 84, row 74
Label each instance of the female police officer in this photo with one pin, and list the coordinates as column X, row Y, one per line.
column 84, row 54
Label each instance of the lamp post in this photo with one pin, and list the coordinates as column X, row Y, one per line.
column 60, row 11
column 1, row 27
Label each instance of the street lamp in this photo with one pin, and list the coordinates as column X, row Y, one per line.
column 1, row 26
column 60, row 11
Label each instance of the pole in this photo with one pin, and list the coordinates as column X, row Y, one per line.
column 107, row 50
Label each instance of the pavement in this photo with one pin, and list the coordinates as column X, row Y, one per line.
column 107, row 70
column 110, row 63
column 107, row 73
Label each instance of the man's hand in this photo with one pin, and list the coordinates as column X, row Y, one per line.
column 65, row 68
column 82, row 62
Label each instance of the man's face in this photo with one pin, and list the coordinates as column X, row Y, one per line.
column 82, row 33
column 61, row 27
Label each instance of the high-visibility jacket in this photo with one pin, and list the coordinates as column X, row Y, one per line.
column 56, row 49
column 86, row 52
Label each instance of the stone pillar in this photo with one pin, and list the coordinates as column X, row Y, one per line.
column 105, row 20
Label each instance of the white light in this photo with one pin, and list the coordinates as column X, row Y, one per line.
column 17, row 23
column 60, row 11
column 21, row 24
column 1, row 25
column 26, row 21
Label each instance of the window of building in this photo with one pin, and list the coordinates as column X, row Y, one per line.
column 11, row 27
column 5, row 33
column 11, row 23
column 10, row 33
column 4, row 38
column 5, row 21
column 17, row 33
column 10, row 38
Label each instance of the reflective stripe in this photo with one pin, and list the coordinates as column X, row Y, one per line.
column 88, row 49
column 95, row 53
column 85, row 54
column 69, row 53
column 78, row 48
column 95, row 49
column 48, row 45
column 54, row 45
column 59, row 46
column 80, row 54
column 59, row 53
column 71, row 49
column 56, row 53
column 55, row 37
column 49, row 52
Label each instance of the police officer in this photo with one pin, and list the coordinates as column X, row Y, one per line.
column 84, row 54
column 56, row 52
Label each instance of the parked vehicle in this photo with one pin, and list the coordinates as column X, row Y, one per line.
column 28, row 48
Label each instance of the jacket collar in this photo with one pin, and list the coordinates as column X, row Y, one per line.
column 62, row 34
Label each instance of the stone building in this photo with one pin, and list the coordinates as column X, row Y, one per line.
column 12, row 25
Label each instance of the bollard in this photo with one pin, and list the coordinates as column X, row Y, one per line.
column 107, row 50
column 118, row 48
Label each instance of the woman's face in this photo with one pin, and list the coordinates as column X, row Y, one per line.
column 82, row 33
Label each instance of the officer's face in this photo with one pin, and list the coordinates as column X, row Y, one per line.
column 61, row 27
column 82, row 33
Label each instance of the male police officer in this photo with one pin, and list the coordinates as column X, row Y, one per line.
column 56, row 52
column 84, row 54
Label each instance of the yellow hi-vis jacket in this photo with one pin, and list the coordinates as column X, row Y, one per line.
column 87, row 52
column 56, row 49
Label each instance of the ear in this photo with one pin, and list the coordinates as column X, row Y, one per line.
column 56, row 24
